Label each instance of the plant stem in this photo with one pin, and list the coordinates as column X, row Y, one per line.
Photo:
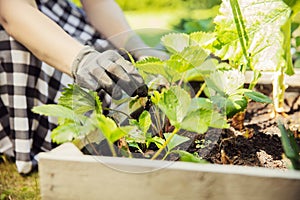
column 279, row 86
column 256, row 76
column 241, row 29
column 94, row 149
column 200, row 90
column 286, row 30
column 114, row 110
column 112, row 149
column 165, row 144
column 279, row 90
column 165, row 156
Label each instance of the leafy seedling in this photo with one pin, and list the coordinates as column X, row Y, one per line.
column 290, row 146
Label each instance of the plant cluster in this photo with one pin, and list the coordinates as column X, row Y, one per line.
column 167, row 111
column 248, row 35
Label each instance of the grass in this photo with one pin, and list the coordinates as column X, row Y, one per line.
column 151, row 26
column 14, row 186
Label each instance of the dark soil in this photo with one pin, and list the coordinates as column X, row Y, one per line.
column 252, row 140
column 256, row 142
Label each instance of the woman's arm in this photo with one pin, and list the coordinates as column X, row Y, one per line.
column 108, row 18
column 43, row 37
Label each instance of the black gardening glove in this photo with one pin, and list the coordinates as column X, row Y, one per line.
column 107, row 72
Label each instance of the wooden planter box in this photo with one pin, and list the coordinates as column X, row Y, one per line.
column 65, row 173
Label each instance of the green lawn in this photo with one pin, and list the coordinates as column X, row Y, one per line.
column 151, row 25
column 13, row 186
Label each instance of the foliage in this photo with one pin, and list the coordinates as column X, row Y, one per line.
column 165, row 4
column 255, row 35
column 188, row 25
column 80, row 113
column 174, row 108
column 290, row 146
column 134, row 5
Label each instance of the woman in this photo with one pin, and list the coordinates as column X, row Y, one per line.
column 47, row 44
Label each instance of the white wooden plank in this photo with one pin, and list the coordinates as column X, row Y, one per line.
column 267, row 78
column 89, row 177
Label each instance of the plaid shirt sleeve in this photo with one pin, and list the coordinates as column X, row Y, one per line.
column 26, row 82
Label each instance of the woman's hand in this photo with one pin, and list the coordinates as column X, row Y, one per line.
column 107, row 71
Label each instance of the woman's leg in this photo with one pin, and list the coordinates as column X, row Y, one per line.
column 25, row 82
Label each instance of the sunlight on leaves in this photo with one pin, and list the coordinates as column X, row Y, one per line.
column 174, row 103
column 175, row 141
column 175, row 42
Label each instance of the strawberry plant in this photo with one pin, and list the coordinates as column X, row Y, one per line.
column 255, row 35
column 174, row 107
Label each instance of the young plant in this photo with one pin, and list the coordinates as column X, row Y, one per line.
column 290, row 146
column 80, row 118
column 183, row 108
column 175, row 107
column 255, row 35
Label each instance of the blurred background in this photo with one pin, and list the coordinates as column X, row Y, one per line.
column 153, row 18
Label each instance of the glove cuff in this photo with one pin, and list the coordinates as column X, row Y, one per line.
column 79, row 58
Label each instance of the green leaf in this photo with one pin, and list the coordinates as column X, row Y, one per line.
column 188, row 157
column 263, row 21
column 294, row 5
column 290, row 146
column 109, row 128
column 193, row 55
column 145, row 121
column 297, row 41
column 199, row 72
column 80, row 100
column 175, row 42
column 258, row 97
column 157, row 67
column 202, row 39
column 151, row 65
column 135, row 145
column 65, row 133
column 225, row 82
column 158, row 141
column 174, row 102
column 155, row 98
column 197, row 121
column 178, row 63
column 175, row 141
column 55, row 111
column 235, row 104
column 115, row 135
column 202, row 115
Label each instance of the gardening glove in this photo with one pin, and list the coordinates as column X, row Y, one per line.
column 108, row 72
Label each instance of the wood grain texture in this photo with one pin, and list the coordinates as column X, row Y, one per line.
column 78, row 176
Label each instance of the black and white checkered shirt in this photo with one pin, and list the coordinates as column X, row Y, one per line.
column 26, row 82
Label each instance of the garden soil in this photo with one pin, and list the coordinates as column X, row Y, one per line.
column 253, row 138
column 256, row 142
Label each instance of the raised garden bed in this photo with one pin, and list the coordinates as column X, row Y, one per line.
column 228, row 119
column 244, row 167
column 65, row 173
